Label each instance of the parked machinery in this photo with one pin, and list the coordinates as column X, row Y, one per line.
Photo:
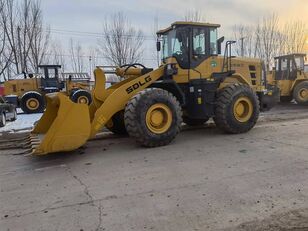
column 28, row 91
column 290, row 76
column 193, row 83
column 7, row 112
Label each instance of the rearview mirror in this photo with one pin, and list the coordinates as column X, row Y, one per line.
column 158, row 45
column 219, row 42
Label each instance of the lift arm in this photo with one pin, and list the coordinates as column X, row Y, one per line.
column 118, row 98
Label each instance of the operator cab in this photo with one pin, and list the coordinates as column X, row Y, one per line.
column 50, row 78
column 287, row 66
column 190, row 43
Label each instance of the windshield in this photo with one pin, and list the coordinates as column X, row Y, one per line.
column 189, row 45
column 175, row 43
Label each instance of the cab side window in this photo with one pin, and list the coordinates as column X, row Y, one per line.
column 199, row 41
column 284, row 64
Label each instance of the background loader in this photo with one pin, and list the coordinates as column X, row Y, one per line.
column 28, row 91
column 193, row 83
column 290, row 76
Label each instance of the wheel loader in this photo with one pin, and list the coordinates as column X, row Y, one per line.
column 193, row 84
column 28, row 91
column 290, row 76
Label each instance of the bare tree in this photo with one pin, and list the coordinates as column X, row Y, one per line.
column 246, row 42
column 294, row 37
column 77, row 55
column 269, row 39
column 5, row 55
column 57, row 55
column 23, row 27
column 121, row 43
column 40, row 38
column 194, row 15
column 8, row 22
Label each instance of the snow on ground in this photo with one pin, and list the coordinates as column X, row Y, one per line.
column 23, row 122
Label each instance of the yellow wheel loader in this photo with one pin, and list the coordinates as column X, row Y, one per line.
column 290, row 76
column 28, row 91
column 193, row 83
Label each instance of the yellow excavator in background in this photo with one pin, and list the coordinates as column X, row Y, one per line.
column 28, row 91
column 193, row 83
column 290, row 76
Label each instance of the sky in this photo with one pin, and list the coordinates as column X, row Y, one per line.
column 64, row 16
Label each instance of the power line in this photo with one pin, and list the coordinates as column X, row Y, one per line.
column 92, row 34
column 87, row 56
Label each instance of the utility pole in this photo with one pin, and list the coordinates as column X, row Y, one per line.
column 242, row 46
column 90, row 63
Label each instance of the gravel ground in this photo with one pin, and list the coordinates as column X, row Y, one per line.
column 204, row 180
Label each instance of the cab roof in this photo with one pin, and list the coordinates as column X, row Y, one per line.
column 291, row 55
column 184, row 23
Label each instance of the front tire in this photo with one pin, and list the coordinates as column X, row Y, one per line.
column 153, row 117
column 2, row 120
column 14, row 116
column 116, row 125
column 32, row 102
column 82, row 97
column 237, row 109
column 300, row 93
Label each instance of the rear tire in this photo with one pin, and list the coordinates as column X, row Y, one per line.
column 300, row 93
column 14, row 116
column 153, row 117
column 2, row 120
column 82, row 96
column 32, row 102
column 237, row 109
column 194, row 122
column 117, row 125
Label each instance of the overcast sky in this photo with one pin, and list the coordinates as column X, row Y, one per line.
column 88, row 15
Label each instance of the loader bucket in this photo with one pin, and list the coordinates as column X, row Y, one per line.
column 65, row 126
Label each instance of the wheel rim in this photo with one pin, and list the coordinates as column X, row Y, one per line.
column 33, row 104
column 83, row 100
column 243, row 109
column 159, row 118
column 303, row 94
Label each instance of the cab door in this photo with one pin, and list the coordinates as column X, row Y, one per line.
column 292, row 69
column 282, row 68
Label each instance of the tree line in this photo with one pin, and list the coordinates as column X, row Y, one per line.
column 26, row 41
column 270, row 38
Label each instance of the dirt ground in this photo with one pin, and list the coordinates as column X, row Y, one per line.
column 204, row 180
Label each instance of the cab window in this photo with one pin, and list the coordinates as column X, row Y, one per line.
column 299, row 62
column 199, row 37
column 284, row 64
column 277, row 67
column 213, row 41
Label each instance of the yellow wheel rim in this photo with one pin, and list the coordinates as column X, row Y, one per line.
column 303, row 94
column 243, row 109
column 159, row 118
column 83, row 100
column 33, row 104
